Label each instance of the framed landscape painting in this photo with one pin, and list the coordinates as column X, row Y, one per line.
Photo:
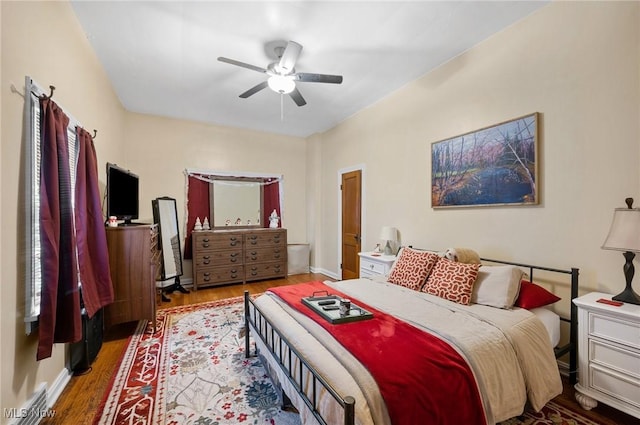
column 496, row 165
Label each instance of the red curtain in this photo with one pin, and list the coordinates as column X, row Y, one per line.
column 271, row 201
column 60, row 319
column 91, row 237
column 198, row 206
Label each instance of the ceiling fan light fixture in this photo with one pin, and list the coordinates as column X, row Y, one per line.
column 281, row 84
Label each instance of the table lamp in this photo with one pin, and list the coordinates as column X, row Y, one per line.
column 388, row 234
column 624, row 235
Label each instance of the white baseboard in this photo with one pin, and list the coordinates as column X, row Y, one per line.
column 58, row 386
column 325, row 272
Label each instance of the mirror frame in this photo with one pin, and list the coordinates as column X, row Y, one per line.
column 165, row 239
column 212, row 206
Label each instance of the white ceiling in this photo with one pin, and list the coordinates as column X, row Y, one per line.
column 161, row 56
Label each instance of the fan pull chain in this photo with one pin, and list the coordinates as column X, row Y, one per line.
column 281, row 107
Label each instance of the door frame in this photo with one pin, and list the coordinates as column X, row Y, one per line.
column 363, row 211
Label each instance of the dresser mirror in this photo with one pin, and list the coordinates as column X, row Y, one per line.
column 236, row 202
column 165, row 214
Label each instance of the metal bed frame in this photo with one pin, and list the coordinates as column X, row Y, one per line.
column 284, row 353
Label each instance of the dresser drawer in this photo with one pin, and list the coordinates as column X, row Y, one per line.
column 370, row 267
column 266, row 238
column 614, row 329
column 264, row 271
column 218, row 258
column 620, row 387
column 211, row 275
column 615, row 357
column 259, row 255
column 216, row 241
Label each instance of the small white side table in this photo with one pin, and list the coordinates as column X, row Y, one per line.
column 609, row 354
column 372, row 264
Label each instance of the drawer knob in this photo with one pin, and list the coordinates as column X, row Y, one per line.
column 276, row 256
column 233, row 260
column 235, row 254
column 206, row 257
column 205, row 245
column 205, row 240
column 206, row 262
column 254, row 258
column 233, row 276
column 233, row 243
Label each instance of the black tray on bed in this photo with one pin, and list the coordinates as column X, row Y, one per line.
column 356, row 313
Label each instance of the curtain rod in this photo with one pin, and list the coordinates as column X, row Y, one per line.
column 39, row 92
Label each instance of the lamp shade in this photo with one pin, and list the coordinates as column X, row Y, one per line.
column 624, row 234
column 389, row 233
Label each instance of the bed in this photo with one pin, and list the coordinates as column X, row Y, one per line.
column 497, row 360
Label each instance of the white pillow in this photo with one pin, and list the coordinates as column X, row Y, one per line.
column 497, row 286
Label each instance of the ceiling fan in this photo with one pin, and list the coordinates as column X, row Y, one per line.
column 282, row 74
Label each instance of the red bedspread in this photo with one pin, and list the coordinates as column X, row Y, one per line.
column 422, row 379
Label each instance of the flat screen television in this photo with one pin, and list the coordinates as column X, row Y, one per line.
column 122, row 194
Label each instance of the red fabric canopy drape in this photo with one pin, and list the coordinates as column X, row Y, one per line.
column 197, row 206
column 60, row 319
column 91, row 236
column 271, row 201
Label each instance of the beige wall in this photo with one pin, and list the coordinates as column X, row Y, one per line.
column 160, row 149
column 42, row 40
column 575, row 63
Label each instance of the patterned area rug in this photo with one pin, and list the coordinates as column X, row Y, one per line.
column 193, row 370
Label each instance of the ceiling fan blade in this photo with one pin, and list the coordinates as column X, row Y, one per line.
column 297, row 97
column 318, row 78
column 253, row 90
column 242, row 64
column 289, row 57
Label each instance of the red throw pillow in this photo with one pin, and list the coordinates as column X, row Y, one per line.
column 534, row 296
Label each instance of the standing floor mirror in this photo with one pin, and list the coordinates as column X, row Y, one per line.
column 165, row 215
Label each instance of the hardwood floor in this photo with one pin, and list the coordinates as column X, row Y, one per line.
column 81, row 398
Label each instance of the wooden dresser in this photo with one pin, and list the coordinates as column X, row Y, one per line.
column 133, row 261
column 233, row 256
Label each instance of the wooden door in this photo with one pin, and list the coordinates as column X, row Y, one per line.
column 351, row 226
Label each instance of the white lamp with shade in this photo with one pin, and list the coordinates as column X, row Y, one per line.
column 624, row 235
column 388, row 234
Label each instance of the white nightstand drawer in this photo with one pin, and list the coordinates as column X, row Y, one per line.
column 371, row 267
column 366, row 274
column 618, row 386
column 615, row 357
column 614, row 329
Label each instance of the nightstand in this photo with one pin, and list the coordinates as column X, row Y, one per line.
column 609, row 354
column 372, row 264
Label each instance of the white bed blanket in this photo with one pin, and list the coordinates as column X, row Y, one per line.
column 508, row 350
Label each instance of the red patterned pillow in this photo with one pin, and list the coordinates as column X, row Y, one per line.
column 452, row 281
column 412, row 268
column 534, row 296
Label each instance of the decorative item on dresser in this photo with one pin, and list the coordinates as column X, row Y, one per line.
column 374, row 264
column 133, row 261
column 239, row 255
column 609, row 353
